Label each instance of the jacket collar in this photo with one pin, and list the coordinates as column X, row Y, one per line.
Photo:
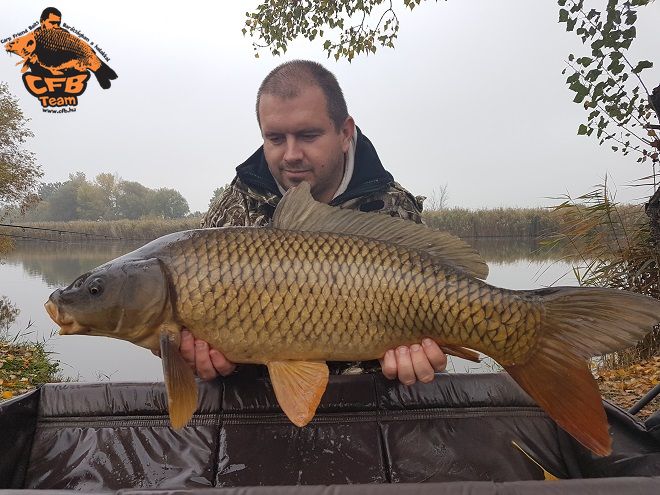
column 369, row 174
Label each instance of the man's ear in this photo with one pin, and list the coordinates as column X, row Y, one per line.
column 347, row 132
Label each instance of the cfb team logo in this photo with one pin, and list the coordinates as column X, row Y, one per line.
column 56, row 64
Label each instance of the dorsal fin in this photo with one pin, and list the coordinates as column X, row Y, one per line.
column 297, row 210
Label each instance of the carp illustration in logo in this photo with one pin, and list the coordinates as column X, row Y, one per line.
column 56, row 63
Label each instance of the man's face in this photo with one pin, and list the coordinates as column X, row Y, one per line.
column 301, row 142
column 51, row 22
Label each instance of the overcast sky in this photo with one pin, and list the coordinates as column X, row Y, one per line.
column 472, row 97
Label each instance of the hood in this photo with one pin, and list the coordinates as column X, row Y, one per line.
column 369, row 174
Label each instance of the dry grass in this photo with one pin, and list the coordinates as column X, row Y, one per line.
column 613, row 246
column 87, row 230
column 497, row 222
column 23, row 366
column 501, row 222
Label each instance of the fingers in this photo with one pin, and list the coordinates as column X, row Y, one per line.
column 203, row 365
column 417, row 362
column 207, row 363
column 437, row 358
column 420, row 362
column 221, row 363
column 404, row 366
column 388, row 365
column 187, row 348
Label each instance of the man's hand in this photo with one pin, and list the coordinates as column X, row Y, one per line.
column 417, row 362
column 408, row 364
column 207, row 363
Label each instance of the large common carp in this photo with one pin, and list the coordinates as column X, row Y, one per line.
column 326, row 284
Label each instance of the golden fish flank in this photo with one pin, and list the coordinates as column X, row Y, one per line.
column 329, row 284
column 269, row 281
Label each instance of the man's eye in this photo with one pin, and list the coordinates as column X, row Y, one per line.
column 309, row 137
column 276, row 139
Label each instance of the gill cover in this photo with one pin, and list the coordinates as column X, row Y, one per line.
column 143, row 299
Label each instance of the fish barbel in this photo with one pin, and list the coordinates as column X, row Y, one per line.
column 326, row 284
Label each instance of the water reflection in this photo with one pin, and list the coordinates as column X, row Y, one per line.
column 8, row 314
column 58, row 264
column 30, row 273
column 511, row 249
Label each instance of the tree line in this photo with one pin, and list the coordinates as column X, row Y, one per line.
column 106, row 197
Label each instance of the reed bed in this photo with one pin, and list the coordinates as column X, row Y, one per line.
column 145, row 229
column 529, row 223
column 497, row 222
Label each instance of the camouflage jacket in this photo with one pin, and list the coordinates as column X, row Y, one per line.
column 251, row 198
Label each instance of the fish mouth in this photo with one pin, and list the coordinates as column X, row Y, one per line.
column 68, row 325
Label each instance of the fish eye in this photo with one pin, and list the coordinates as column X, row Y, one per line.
column 96, row 287
column 30, row 43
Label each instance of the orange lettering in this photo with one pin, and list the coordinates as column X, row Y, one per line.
column 54, row 82
column 31, row 81
column 75, row 84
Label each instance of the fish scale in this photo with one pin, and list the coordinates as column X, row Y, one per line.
column 62, row 41
column 370, row 296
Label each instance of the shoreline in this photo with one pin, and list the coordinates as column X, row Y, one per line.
column 26, row 365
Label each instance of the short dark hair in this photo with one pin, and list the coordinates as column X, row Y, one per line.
column 47, row 11
column 288, row 79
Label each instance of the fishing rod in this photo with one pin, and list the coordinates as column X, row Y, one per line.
column 62, row 231
column 43, row 239
column 15, row 236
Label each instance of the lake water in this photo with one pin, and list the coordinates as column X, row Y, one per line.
column 34, row 269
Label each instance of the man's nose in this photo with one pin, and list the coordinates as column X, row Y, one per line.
column 293, row 152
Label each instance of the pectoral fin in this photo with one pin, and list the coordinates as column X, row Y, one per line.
column 298, row 387
column 461, row 352
column 179, row 380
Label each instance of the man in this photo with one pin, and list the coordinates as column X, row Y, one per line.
column 309, row 136
column 51, row 18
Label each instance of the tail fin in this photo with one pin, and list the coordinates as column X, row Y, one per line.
column 104, row 75
column 578, row 323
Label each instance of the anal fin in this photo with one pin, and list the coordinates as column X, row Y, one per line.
column 298, row 387
column 179, row 380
